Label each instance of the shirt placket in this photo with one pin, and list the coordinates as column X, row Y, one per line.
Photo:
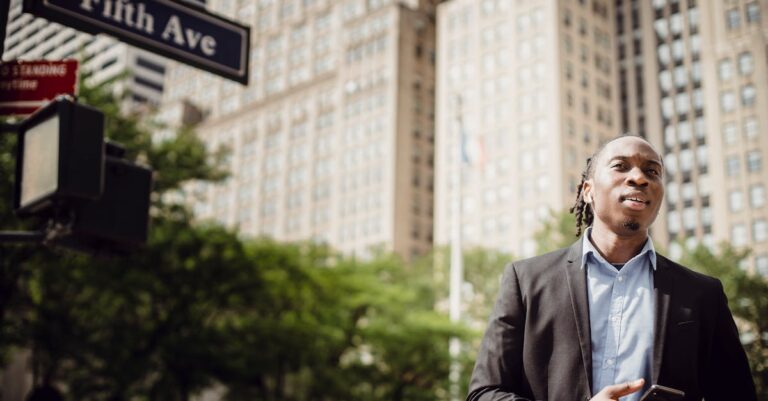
column 613, row 335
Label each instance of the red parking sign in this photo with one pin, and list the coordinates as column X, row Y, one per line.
column 25, row 86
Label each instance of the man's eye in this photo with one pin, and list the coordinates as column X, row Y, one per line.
column 653, row 172
column 618, row 165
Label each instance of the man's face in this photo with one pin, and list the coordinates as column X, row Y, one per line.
column 627, row 186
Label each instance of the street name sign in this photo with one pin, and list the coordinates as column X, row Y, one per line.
column 26, row 86
column 173, row 28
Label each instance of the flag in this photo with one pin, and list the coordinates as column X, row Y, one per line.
column 472, row 149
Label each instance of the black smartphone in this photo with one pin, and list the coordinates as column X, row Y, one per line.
column 661, row 393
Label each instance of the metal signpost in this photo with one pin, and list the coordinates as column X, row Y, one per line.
column 176, row 29
column 63, row 141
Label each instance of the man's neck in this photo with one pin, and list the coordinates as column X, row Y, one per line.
column 616, row 248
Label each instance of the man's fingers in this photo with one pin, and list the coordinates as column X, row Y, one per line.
column 622, row 389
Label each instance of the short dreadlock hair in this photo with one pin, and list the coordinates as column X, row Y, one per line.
column 580, row 208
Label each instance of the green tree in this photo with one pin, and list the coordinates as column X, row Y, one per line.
column 79, row 314
column 558, row 231
column 748, row 299
column 482, row 275
column 482, row 270
column 352, row 331
column 199, row 307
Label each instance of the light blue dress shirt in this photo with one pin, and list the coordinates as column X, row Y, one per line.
column 621, row 312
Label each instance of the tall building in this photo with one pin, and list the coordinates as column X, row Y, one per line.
column 31, row 38
column 536, row 83
column 702, row 68
column 540, row 87
column 332, row 140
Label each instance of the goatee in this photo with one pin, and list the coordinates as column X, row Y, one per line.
column 632, row 225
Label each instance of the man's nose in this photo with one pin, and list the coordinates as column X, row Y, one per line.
column 637, row 177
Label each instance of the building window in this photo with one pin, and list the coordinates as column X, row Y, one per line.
column 751, row 130
column 746, row 63
column 670, row 136
column 696, row 72
column 732, row 166
column 693, row 17
column 149, row 84
column 748, row 95
column 661, row 28
column 701, row 156
column 664, row 54
column 667, row 107
column 698, row 99
column 567, row 17
column 759, row 230
column 705, row 187
column 681, row 78
column 689, row 218
column 761, row 264
column 730, row 133
column 683, row 103
column 583, row 30
column 753, row 12
column 688, row 192
column 672, row 193
column 673, row 222
column 735, row 201
column 738, row 235
column 725, row 69
column 678, row 50
column 754, row 161
column 757, row 196
column 695, row 44
column 676, row 23
column 727, row 101
column 665, row 80
column 732, row 18
column 686, row 160
column 699, row 128
column 670, row 162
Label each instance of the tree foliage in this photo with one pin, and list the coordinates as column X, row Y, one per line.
column 199, row 307
column 558, row 231
column 747, row 298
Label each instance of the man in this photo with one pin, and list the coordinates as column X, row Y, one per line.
column 608, row 317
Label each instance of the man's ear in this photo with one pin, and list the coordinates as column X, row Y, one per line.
column 586, row 192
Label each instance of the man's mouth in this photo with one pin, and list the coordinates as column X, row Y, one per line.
column 637, row 202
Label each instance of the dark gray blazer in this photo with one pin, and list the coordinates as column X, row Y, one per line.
column 537, row 345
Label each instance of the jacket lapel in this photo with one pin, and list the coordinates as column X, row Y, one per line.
column 662, row 289
column 577, row 284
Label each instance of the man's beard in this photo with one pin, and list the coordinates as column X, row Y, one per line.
column 632, row 225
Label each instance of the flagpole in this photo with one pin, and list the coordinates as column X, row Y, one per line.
column 456, row 268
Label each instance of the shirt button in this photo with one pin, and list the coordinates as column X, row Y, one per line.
column 609, row 362
column 614, row 318
column 621, row 279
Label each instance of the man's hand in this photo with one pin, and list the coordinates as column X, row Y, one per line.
column 614, row 391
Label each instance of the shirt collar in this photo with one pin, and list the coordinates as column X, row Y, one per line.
column 587, row 248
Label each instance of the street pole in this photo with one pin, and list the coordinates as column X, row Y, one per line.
column 456, row 269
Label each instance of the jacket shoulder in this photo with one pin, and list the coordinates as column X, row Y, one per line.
column 687, row 274
column 542, row 263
